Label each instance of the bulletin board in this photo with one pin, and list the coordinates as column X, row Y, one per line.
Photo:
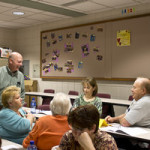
column 100, row 50
column 73, row 52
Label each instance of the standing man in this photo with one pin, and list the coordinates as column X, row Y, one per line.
column 10, row 75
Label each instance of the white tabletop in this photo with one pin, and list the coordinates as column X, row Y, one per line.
column 104, row 100
column 9, row 144
column 138, row 133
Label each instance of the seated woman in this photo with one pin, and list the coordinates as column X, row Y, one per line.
column 15, row 124
column 48, row 130
column 90, row 89
column 84, row 133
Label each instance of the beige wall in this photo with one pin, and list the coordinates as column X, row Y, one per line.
column 27, row 42
column 8, row 38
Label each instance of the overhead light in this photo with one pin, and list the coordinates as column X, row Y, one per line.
column 18, row 13
column 74, row 2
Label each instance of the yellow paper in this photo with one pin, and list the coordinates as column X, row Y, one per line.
column 123, row 38
column 102, row 123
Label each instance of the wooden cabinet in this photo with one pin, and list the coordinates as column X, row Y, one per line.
column 30, row 86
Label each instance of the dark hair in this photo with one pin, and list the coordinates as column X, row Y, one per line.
column 92, row 82
column 84, row 117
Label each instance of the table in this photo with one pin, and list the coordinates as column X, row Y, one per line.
column 104, row 100
column 9, row 144
column 137, row 134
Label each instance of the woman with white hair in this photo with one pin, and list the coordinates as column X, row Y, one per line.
column 48, row 130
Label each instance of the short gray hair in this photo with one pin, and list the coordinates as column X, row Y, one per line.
column 60, row 105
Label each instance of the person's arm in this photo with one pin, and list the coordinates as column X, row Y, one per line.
column 124, row 122
column 110, row 119
column 22, row 94
column 119, row 119
column 14, row 122
column 31, row 118
column 27, row 115
column 85, row 141
column 33, row 135
column 75, row 104
column 98, row 105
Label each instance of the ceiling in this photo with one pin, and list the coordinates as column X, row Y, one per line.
column 44, row 11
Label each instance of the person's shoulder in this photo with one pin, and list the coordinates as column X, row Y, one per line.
column 2, row 68
column 103, row 135
column 144, row 100
column 6, row 112
column 45, row 118
column 80, row 97
column 98, row 98
column 20, row 73
column 69, row 134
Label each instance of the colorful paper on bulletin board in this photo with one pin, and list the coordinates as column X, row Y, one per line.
column 123, row 38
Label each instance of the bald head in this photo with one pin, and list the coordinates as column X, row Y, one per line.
column 140, row 88
column 13, row 55
column 145, row 83
column 15, row 61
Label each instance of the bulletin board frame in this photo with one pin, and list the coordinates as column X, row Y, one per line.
column 79, row 45
column 106, row 67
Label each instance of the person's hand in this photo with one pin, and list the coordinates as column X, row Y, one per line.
column 109, row 119
column 30, row 117
column 85, row 141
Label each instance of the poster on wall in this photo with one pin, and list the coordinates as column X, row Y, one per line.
column 5, row 52
column 123, row 38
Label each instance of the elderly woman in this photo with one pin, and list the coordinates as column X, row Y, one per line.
column 85, row 133
column 15, row 124
column 48, row 130
column 90, row 89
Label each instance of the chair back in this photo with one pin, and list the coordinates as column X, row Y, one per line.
column 44, row 107
column 49, row 91
column 73, row 93
column 130, row 98
column 103, row 95
column 107, row 109
column 46, row 100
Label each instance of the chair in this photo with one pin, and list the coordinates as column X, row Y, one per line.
column 25, row 104
column 46, row 100
column 107, row 109
column 73, row 93
column 130, row 98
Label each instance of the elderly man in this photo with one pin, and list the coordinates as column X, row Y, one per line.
column 138, row 113
column 10, row 75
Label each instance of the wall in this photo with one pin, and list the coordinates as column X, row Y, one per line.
column 28, row 43
column 8, row 38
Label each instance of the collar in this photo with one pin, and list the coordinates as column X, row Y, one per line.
column 11, row 73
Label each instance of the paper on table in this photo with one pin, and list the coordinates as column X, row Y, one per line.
column 10, row 147
column 133, row 131
column 103, row 123
column 45, row 112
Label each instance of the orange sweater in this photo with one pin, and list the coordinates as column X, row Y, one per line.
column 47, row 132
